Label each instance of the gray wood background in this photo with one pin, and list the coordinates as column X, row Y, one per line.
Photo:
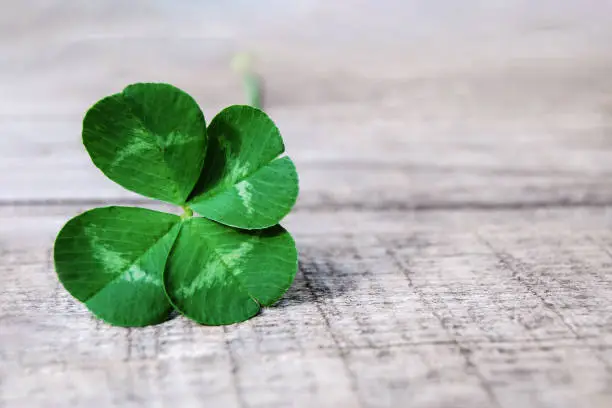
column 454, row 223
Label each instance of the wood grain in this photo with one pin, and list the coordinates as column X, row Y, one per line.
column 470, row 308
column 454, row 223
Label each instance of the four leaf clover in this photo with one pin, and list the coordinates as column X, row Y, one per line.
column 133, row 266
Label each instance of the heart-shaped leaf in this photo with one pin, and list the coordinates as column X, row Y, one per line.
column 220, row 275
column 113, row 258
column 150, row 138
column 244, row 184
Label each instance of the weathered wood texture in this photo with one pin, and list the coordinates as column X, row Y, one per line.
column 454, row 223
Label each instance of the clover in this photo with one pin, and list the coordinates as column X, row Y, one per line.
column 132, row 266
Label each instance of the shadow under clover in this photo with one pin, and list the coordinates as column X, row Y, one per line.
column 318, row 280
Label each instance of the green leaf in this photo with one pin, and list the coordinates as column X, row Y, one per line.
column 220, row 275
column 113, row 258
column 150, row 138
column 244, row 184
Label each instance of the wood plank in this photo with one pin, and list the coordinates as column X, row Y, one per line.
column 506, row 129
column 59, row 54
column 557, row 153
column 470, row 308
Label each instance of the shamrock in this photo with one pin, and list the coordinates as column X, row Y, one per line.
column 131, row 266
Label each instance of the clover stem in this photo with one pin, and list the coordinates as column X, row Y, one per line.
column 187, row 212
column 243, row 64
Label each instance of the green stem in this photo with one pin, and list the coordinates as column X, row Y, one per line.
column 252, row 89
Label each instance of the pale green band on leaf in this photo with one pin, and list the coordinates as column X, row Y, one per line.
column 219, row 275
column 244, row 184
column 150, row 139
column 112, row 259
column 258, row 201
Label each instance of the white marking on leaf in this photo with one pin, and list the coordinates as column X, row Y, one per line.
column 135, row 148
column 203, row 279
column 110, row 259
column 207, row 276
column 113, row 261
column 137, row 274
column 232, row 258
column 238, row 170
column 244, row 189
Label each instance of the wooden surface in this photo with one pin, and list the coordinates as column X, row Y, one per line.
column 454, row 223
